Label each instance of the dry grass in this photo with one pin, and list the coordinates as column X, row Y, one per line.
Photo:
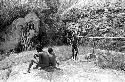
column 105, row 59
column 110, row 59
column 63, row 53
column 113, row 60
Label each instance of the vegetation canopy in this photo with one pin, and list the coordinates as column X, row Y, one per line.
column 54, row 19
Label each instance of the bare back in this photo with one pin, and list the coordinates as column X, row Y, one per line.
column 43, row 58
column 52, row 58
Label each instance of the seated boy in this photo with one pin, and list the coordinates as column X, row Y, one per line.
column 43, row 59
column 52, row 58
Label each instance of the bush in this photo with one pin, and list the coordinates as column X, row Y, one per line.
column 110, row 59
column 93, row 21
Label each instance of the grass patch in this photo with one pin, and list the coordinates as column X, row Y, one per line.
column 111, row 59
column 105, row 59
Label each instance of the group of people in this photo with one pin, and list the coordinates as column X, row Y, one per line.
column 48, row 59
column 43, row 59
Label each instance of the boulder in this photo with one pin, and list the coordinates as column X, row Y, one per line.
column 19, row 31
column 12, row 35
column 32, row 18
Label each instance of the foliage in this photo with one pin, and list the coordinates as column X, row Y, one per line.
column 49, row 18
column 101, row 22
column 111, row 59
column 53, row 26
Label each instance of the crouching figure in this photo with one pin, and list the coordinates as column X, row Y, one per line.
column 52, row 58
column 45, row 59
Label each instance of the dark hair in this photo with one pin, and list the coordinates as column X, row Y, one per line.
column 39, row 48
column 50, row 50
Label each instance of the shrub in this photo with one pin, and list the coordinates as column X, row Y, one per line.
column 113, row 60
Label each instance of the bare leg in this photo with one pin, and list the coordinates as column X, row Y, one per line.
column 76, row 52
column 73, row 52
column 43, row 66
column 36, row 66
column 30, row 65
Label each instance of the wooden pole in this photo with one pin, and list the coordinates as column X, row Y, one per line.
column 101, row 37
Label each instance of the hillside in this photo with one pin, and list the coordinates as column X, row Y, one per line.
column 69, row 70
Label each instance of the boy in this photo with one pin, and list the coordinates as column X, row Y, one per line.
column 43, row 59
column 52, row 58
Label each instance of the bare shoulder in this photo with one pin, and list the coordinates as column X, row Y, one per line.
column 43, row 53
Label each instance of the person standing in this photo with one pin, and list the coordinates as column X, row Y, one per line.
column 74, row 46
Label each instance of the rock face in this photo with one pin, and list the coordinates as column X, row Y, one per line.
column 16, row 29
column 32, row 18
column 31, row 29
column 20, row 30
column 12, row 34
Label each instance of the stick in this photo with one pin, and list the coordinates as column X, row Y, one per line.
column 101, row 37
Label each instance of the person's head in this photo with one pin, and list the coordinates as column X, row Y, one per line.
column 50, row 50
column 39, row 48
